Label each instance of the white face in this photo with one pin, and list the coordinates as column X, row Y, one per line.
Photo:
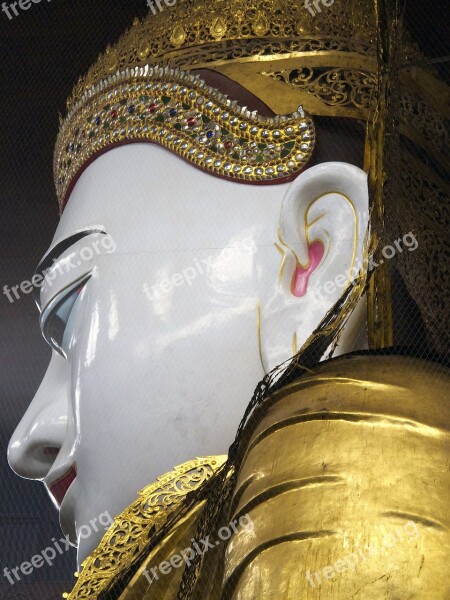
column 172, row 318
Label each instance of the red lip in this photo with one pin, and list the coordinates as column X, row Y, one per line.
column 59, row 488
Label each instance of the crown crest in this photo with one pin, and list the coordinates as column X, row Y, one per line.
column 244, row 39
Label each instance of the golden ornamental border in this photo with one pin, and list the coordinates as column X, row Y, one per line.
column 132, row 530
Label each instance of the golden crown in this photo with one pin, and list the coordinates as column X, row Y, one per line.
column 321, row 56
column 138, row 90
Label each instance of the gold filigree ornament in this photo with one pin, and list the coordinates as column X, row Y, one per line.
column 242, row 38
column 130, row 536
column 180, row 112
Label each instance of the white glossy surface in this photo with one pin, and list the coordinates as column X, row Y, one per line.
column 154, row 379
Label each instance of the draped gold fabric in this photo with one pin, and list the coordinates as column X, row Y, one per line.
column 346, row 480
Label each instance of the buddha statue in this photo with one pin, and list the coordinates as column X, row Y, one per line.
column 238, row 234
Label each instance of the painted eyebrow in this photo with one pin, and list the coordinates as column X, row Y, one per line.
column 56, row 252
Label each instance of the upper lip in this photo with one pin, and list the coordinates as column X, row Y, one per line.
column 59, row 487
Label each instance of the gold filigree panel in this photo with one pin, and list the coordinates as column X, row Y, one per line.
column 132, row 531
column 334, row 87
column 185, row 30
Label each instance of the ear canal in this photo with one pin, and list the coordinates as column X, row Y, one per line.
column 301, row 276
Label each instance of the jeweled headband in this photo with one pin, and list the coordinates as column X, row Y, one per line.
column 180, row 112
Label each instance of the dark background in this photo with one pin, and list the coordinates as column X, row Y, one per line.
column 43, row 51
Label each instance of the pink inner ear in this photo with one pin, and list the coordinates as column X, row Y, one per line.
column 301, row 276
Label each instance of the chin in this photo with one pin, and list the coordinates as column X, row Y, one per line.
column 87, row 546
column 82, row 529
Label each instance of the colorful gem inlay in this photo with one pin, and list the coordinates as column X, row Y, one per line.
column 181, row 113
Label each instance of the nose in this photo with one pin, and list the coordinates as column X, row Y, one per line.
column 40, row 434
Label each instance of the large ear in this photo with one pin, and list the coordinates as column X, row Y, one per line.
column 324, row 219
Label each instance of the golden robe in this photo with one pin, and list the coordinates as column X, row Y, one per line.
column 345, row 483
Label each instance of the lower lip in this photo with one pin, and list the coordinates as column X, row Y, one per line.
column 59, row 489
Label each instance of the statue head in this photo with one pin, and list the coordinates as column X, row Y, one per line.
column 184, row 269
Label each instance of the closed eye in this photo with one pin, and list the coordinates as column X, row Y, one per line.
column 55, row 324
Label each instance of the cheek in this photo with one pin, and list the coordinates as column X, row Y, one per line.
column 129, row 346
column 114, row 412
